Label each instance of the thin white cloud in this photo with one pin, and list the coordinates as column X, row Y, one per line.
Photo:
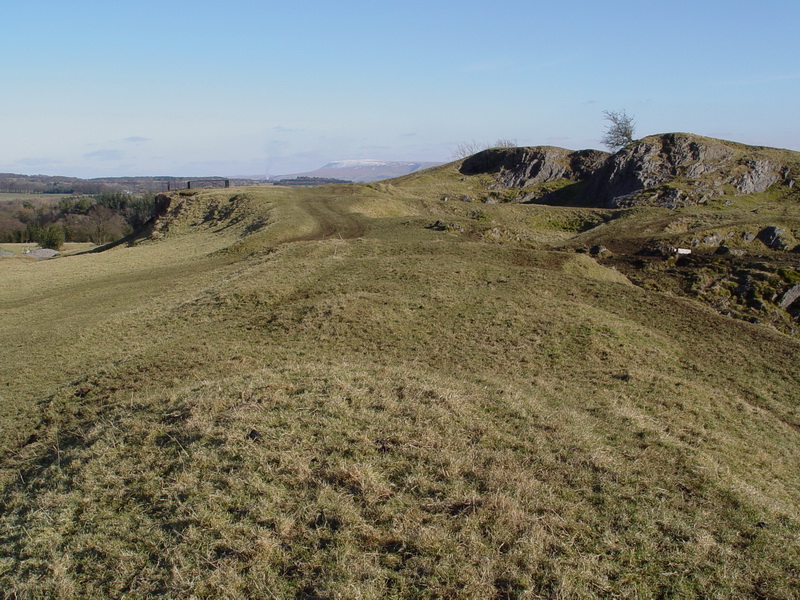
column 135, row 139
column 39, row 161
column 105, row 155
column 276, row 147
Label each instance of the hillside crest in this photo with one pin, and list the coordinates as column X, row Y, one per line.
column 668, row 170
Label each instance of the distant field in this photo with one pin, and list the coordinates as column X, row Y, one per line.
column 35, row 198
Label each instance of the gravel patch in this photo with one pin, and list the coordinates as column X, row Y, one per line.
column 43, row 253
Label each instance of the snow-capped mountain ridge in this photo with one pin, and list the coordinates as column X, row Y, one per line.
column 362, row 162
column 361, row 170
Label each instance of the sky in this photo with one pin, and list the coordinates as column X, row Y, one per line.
column 258, row 88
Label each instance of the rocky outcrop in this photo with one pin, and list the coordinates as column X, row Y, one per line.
column 648, row 171
column 759, row 175
column 651, row 163
column 162, row 203
column 669, row 170
column 523, row 167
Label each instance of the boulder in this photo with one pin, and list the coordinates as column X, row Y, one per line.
column 712, row 239
column 776, row 238
column 790, row 297
column 600, row 251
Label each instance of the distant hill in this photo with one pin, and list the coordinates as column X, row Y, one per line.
column 361, row 171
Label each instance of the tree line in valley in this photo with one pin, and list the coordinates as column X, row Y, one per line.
column 100, row 218
column 57, row 184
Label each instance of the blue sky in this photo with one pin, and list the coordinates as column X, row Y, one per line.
column 172, row 87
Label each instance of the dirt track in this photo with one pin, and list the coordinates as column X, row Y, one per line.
column 332, row 219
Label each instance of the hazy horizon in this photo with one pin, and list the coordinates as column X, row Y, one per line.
column 200, row 89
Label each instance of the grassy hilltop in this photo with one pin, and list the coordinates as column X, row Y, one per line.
column 406, row 389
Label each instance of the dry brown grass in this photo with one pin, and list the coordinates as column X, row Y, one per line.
column 405, row 414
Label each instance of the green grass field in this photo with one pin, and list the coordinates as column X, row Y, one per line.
column 317, row 393
column 34, row 198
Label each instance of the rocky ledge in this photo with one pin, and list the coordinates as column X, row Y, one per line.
column 669, row 170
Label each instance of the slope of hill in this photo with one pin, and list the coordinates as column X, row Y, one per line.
column 386, row 391
column 734, row 207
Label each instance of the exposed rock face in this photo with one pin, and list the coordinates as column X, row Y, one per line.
column 522, row 167
column 635, row 173
column 759, row 176
column 670, row 170
column 162, row 203
column 651, row 163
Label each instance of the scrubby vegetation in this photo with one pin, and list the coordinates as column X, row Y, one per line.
column 98, row 219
